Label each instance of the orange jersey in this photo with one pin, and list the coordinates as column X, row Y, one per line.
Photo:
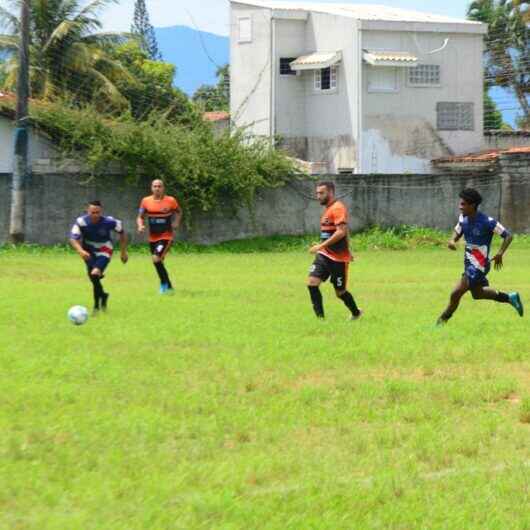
column 159, row 216
column 334, row 215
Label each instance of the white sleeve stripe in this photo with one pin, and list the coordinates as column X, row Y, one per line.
column 75, row 230
column 119, row 226
column 499, row 229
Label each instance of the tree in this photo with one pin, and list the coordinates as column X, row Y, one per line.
column 150, row 84
column 507, row 46
column 144, row 31
column 217, row 97
column 67, row 51
column 492, row 115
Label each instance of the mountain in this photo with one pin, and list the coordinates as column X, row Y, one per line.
column 196, row 54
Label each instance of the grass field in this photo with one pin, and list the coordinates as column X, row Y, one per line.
column 228, row 406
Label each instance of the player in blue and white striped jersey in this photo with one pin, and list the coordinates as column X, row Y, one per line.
column 91, row 237
column 478, row 230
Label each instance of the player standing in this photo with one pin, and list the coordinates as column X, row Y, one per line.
column 332, row 253
column 163, row 217
column 478, row 230
column 91, row 237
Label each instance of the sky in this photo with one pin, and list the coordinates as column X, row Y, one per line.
column 212, row 15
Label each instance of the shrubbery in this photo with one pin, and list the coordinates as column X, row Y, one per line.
column 206, row 171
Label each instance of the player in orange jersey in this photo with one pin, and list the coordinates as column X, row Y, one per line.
column 163, row 218
column 332, row 253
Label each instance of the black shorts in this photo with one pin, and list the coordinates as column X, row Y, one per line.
column 324, row 268
column 160, row 248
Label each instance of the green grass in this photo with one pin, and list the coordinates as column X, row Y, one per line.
column 228, row 406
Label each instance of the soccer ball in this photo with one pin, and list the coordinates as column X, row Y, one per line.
column 78, row 315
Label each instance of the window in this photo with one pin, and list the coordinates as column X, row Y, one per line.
column 455, row 116
column 382, row 79
column 245, row 29
column 425, row 75
column 326, row 79
column 285, row 66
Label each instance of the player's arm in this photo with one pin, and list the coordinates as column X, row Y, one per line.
column 457, row 234
column 118, row 228
column 75, row 242
column 140, row 223
column 123, row 247
column 454, row 240
column 340, row 233
column 177, row 218
column 507, row 239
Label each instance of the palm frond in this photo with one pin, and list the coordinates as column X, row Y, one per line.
column 9, row 20
column 8, row 42
column 109, row 89
column 60, row 33
column 107, row 38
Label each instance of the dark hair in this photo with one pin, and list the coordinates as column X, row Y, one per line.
column 95, row 203
column 471, row 196
column 330, row 186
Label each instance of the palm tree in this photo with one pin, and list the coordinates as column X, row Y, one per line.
column 67, row 51
column 507, row 45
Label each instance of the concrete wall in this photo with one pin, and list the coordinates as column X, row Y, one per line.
column 54, row 200
column 399, row 128
column 331, row 117
column 250, row 67
column 39, row 147
column 506, row 139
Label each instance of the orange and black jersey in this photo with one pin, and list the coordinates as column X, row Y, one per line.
column 334, row 215
column 160, row 214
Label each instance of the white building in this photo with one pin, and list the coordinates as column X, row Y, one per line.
column 39, row 147
column 361, row 88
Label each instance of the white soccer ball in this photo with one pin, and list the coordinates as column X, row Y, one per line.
column 78, row 315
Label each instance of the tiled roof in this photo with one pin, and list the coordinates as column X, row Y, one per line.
column 360, row 11
column 216, row 116
column 316, row 60
column 380, row 57
column 483, row 157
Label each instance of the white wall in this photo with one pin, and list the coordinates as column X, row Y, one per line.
column 290, row 90
column 399, row 129
column 331, row 118
column 250, row 71
column 39, row 147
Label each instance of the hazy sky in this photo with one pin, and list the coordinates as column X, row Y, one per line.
column 212, row 15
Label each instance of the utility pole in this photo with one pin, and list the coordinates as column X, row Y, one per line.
column 20, row 166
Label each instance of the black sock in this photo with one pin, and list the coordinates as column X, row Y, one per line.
column 162, row 274
column 503, row 298
column 316, row 300
column 445, row 316
column 349, row 302
column 98, row 290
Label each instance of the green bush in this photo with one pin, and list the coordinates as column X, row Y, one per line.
column 208, row 171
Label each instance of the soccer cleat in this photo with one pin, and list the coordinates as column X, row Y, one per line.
column 104, row 299
column 164, row 288
column 441, row 322
column 170, row 291
column 515, row 302
column 358, row 316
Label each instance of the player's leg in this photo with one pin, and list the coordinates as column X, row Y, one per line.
column 158, row 253
column 483, row 292
column 460, row 290
column 318, row 273
column 339, row 279
column 96, row 270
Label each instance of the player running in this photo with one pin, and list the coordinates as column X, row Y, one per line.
column 478, row 230
column 90, row 237
column 163, row 216
column 332, row 253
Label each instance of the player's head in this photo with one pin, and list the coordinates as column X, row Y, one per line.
column 325, row 192
column 158, row 188
column 95, row 210
column 470, row 200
